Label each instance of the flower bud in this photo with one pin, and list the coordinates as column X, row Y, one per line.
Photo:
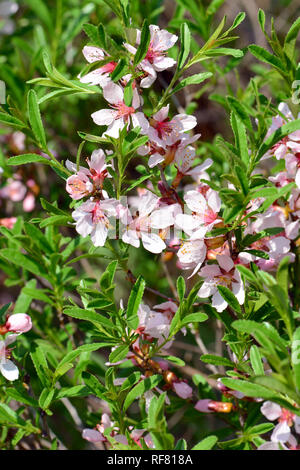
column 209, row 406
column 19, row 323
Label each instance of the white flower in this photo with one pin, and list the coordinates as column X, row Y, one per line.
column 98, row 76
column 205, row 213
column 148, row 220
column 85, row 180
column 223, row 274
column 163, row 131
column 7, row 9
column 282, row 431
column 192, row 254
column 92, row 219
column 155, row 59
column 120, row 115
column 7, row 368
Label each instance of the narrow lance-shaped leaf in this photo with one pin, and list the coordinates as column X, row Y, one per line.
column 230, row 298
column 144, row 44
column 35, row 118
column 134, row 302
column 185, row 38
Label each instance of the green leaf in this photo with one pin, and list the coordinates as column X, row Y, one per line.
column 181, row 445
column 140, row 389
column 120, row 70
column 192, row 80
column 89, row 315
column 24, row 300
column 260, row 429
column 56, row 220
column 107, row 277
column 256, row 361
column 258, row 253
column 220, row 51
column 240, row 137
column 144, row 44
column 181, row 288
column 262, row 19
column 9, row 120
column 128, row 93
column 27, row 158
column 94, row 385
column 38, row 294
column 175, row 360
column 46, row 398
column 249, row 389
column 119, row 353
column 76, row 391
column 230, row 298
column 290, row 39
column 217, row 360
column 214, row 6
column 243, row 180
column 35, row 118
column 240, row 110
column 262, row 54
column 237, row 21
column 41, row 366
column 134, row 301
column 252, row 327
column 69, row 357
column 23, row 261
column 155, row 413
column 282, row 275
column 206, row 444
column 38, row 238
column 185, row 39
column 198, row 317
column 130, row 381
column 92, row 32
column 7, row 415
column 296, row 356
column 22, row 396
column 42, row 12
column 249, row 275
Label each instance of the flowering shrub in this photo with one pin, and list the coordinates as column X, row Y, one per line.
column 150, row 277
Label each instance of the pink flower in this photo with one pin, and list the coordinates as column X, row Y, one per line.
column 14, row 190
column 120, row 115
column 96, row 435
column 291, row 142
column 98, row 76
column 153, row 324
column 7, row 368
column 155, row 60
column 86, row 181
column 92, row 218
column 184, row 159
column 205, row 214
column 182, row 389
column 286, row 419
column 223, row 274
column 163, row 131
column 192, row 255
column 8, row 222
column 18, row 323
column 149, row 219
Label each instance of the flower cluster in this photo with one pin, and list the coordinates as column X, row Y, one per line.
column 14, row 326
